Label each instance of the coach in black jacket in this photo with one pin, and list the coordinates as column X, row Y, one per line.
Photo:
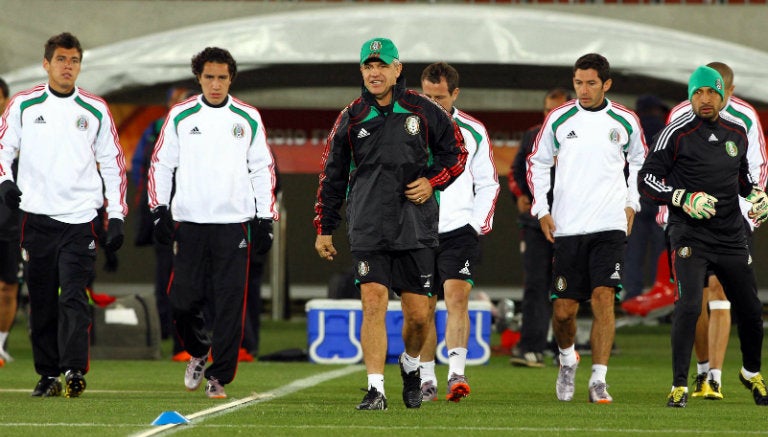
column 699, row 167
column 386, row 154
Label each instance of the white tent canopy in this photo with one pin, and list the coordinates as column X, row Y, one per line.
column 459, row 34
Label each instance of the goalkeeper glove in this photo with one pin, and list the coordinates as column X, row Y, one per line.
column 163, row 221
column 10, row 194
column 759, row 201
column 698, row 205
column 262, row 235
column 115, row 235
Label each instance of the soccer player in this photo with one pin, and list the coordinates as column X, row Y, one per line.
column 214, row 147
column 70, row 159
column 9, row 259
column 536, row 250
column 699, row 168
column 714, row 325
column 466, row 212
column 386, row 154
column 592, row 139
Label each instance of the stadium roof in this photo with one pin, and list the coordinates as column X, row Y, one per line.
column 494, row 49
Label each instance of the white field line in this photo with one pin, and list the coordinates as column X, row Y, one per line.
column 235, row 405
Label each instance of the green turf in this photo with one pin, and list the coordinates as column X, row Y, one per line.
column 124, row 397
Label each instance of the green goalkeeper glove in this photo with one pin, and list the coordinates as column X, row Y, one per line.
column 698, row 205
column 759, row 201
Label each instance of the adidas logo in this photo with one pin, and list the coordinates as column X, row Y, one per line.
column 40, row 120
column 195, row 131
column 92, row 246
column 243, row 244
column 712, row 138
column 453, row 354
column 363, row 133
column 427, row 284
column 615, row 275
column 465, row 270
column 571, row 135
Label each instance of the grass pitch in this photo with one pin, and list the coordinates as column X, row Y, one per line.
column 303, row 399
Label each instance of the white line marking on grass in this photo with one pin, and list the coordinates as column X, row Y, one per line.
column 235, row 405
column 470, row 429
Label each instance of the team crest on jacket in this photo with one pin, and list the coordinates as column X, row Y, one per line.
column 238, row 131
column 82, row 123
column 412, row 125
column 684, row 252
column 614, row 136
column 730, row 149
column 363, row 268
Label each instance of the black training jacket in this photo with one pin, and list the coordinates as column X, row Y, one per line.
column 695, row 154
column 370, row 156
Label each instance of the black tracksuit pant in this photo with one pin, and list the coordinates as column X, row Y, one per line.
column 61, row 258
column 536, row 307
column 738, row 279
column 210, row 266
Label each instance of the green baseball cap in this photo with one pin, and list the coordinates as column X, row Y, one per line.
column 705, row 76
column 382, row 49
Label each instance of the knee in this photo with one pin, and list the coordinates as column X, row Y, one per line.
column 561, row 315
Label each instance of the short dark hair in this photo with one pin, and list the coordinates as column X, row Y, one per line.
column 725, row 71
column 217, row 55
column 4, row 88
column 63, row 40
column 596, row 62
column 558, row 92
column 435, row 71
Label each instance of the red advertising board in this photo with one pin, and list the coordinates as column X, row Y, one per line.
column 297, row 136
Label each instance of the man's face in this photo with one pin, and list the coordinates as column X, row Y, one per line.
column 63, row 69
column 379, row 78
column 3, row 101
column 439, row 93
column 590, row 90
column 706, row 103
column 215, row 81
column 551, row 103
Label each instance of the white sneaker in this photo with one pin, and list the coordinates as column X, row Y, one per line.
column 5, row 356
column 193, row 376
column 215, row 390
column 598, row 393
column 566, row 380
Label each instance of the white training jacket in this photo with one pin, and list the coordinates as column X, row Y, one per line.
column 738, row 111
column 588, row 151
column 70, row 158
column 471, row 198
column 221, row 162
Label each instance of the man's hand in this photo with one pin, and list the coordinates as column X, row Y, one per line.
column 419, row 191
column 523, row 204
column 698, row 205
column 630, row 219
column 324, row 247
column 548, row 227
column 10, row 194
column 163, row 221
column 759, row 201
column 262, row 235
column 115, row 235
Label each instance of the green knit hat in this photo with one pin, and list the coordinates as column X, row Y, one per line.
column 382, row 49
column 705, row 76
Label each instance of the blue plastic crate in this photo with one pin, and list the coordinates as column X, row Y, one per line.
column 333, row 331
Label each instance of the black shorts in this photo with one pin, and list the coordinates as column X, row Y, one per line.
column 585, row 262
column 457, row 255
column 399, row 270
column 10, row 257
